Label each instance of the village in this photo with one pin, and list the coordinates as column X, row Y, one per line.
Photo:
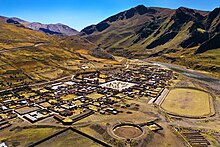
column 84, row 94
column 120, row 106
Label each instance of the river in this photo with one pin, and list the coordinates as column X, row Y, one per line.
column 202, row 77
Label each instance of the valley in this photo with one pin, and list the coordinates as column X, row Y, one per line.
column 147, row 76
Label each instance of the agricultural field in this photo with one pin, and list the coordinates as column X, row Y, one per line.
column 188, row 102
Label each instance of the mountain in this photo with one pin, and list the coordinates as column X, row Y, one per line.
column 53, row 28
column 162, row 34
column 147, row 14
column 145, row 27
column 123, row 25
column 46, row 28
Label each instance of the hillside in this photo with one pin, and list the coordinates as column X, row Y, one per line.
column 28, row 56
column 161, row 34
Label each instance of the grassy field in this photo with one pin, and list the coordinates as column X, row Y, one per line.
column 25, row 137
column 68, row 139
column 187, row 102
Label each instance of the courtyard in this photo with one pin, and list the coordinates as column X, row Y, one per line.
column 117, row 85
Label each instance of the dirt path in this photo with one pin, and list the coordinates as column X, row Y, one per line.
column 21, row 48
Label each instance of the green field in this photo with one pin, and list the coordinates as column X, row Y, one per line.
column 187, row 102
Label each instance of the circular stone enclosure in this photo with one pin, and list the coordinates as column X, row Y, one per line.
column 128, row 131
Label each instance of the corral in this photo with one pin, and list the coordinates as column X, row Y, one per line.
column 127, row 131
column 188, row 103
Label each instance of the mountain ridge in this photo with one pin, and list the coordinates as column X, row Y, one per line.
column 57, row 28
